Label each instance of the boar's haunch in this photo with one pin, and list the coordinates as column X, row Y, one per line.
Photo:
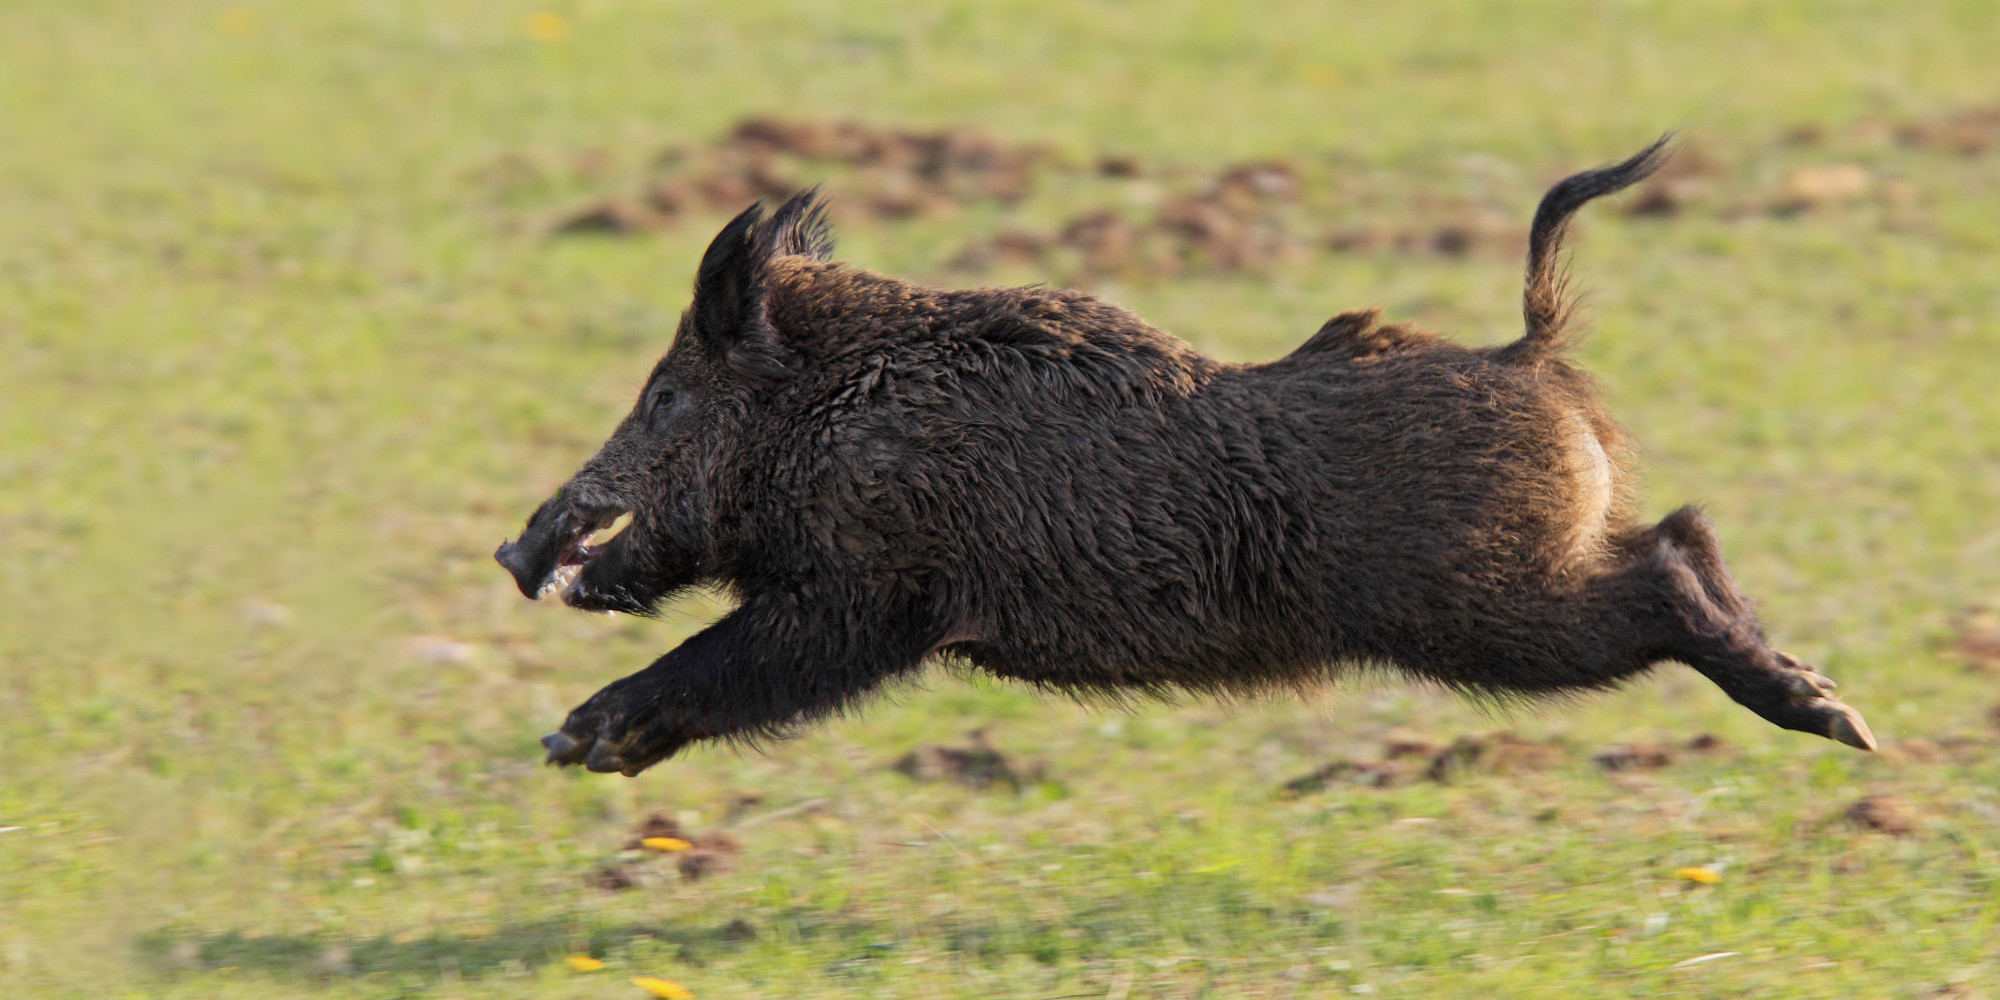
column 1036, row 483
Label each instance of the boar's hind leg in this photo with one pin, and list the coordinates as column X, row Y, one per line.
column 1708, row 624
column 760, row 670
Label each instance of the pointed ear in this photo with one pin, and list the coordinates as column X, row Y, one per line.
column 722, row 284
column 728, row 310
column 799, row 228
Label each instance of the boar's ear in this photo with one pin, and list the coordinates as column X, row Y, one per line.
column 799, row 228
column 728, row 313
column 732, row 289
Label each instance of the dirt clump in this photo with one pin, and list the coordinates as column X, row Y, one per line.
column 656, row 824
column 612, row 217
column 1884, row 813
column 978, row 765
column 1120, row 167
column 1634, row 757
column 1657, row 755
column 1361, row 773
column 619, row 876
column 1007, row 247
column 1246, row 218
column 1970, row 132
column 1941, row 750
column 1369, row 239
column 706, row 854
column 1804, row 134
column 724, row 189
column 712, row 854
column 954, row 164
column 1680, row 184
column 1408, row 756
column 1975, row 640
column 881, row 174
column 740, row 803
column 1107, row 244
column 1235, row 223
column 1476, row 232
column 1403, row 743
column 1210, row 232
column 1266, row 180
column 1495, row 753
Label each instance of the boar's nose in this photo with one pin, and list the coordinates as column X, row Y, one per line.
column 516, row 559
column 533, row 556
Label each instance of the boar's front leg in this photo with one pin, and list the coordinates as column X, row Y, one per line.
column 762, row 669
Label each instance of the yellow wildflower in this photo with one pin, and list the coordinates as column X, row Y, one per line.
column 666, row 843
column 545, row 27
column 665, row 989
column 584, row 963
column 1705, row 876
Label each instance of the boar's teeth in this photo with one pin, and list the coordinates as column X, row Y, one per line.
column 558, row 579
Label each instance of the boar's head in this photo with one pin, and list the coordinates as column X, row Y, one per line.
column 665, row 463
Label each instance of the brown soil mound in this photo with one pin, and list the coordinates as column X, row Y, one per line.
column 976, row 766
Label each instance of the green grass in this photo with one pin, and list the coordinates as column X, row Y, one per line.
column 282, row 357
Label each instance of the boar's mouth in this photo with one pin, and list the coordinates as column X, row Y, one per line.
column 577, row 552
column 552, row 552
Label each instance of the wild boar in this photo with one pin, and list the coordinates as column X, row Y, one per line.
column 1036, row 483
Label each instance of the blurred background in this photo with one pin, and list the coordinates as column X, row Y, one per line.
column 304, row 306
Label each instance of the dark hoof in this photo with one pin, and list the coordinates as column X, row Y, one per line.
column 562, row 748
column 622, row 729
column 1847, row 726
column 602, row 760
column 1818, row 710
column 1795, row 663
column 1809, row 686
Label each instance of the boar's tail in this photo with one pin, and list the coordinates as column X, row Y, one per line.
column 1546, row 302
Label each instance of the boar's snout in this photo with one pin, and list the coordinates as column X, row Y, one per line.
column 553, row 540
column 532, row 557
column 528, row 566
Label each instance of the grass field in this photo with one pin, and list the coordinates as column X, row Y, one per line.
column 285, row 351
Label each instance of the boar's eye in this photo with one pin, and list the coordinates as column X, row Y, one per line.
column 660, row 405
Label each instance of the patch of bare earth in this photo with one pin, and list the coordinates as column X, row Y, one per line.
column 1161, row 221
column 1975, row 639
column 1407, row 756
column 1246, row 218
column 1884, row 814
column 641, row 864
column 978, row 765
column 883, row 174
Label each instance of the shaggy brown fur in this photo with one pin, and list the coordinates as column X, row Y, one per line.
column 1037, row 483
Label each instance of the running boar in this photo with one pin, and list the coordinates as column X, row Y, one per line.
column 1036, row 483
